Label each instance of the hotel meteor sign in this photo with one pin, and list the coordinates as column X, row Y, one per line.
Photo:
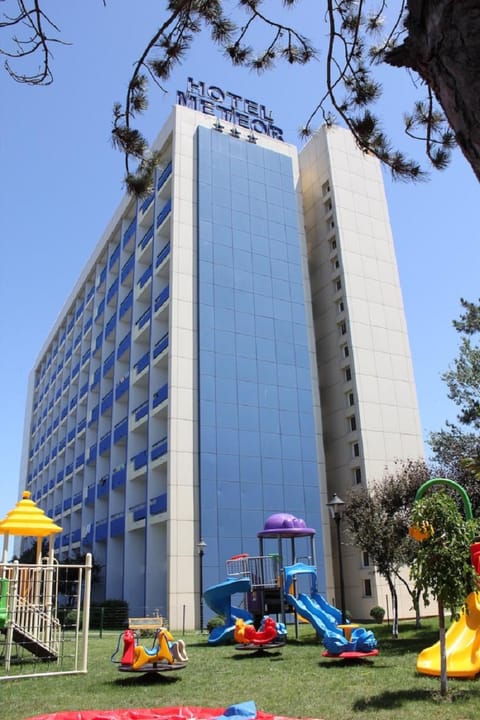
column 228, row 106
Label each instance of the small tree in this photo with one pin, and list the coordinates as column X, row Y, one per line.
column 441, row 568
column 378, row 519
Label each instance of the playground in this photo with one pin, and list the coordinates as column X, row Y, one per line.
column 295, row 681
column 269, row 585
column 41, row 602
column 220, row 681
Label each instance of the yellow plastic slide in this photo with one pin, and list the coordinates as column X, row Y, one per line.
column 462, row 645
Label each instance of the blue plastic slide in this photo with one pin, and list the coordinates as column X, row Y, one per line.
column 324, row 618
column 219, row 599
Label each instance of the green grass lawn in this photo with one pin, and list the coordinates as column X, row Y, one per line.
column 294, row 680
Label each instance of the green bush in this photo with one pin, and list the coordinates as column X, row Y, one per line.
column 377, row 613
column 214, row 622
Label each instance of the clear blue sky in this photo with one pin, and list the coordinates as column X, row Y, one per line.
column 61, row 182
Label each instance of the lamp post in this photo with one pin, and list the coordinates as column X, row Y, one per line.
column 201, row 547
column 335, row 507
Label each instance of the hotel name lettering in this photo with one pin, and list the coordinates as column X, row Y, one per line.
column 228, row 106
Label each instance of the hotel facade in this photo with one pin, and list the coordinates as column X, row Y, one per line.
column 235, row 347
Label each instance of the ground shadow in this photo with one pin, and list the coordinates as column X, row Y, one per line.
column 329, row 663
column 393, row 700
column 257, row 654
column 147, row 679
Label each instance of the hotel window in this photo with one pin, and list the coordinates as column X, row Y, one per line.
column 350, row 399
column 326, row 187
column 365, row 559
column 357, row 476
column 367, row 588
column 343, row 328
column 328, row 206
column 340, row 306
column 355, row 449
column 352, row 423
column 345, row 351
column 333, row 243
column 348, row 374
column 338, row 284
column 335, row 263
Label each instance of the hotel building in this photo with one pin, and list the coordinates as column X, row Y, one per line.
column 235, row 347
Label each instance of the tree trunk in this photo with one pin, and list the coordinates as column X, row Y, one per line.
column 443, row 650
column 443, row 47
column 393, row 592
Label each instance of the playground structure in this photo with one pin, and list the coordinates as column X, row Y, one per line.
column 272, row 587
column 462, row 639
column 166, row 654
column 33, row 640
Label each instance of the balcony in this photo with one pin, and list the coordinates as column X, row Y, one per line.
column 124, row 345
column 144, row 282
column 76, row 535
column 120, row 431
column 114, row 257
column 129, row 233
column 110, row 326
column 158, row 504
column 164, row 213
column 94, row 415
column 102, row 277
column 117, row 525
column 159, row 449
column 101, row 531
column 160, row 346
column 162, row 256
column 104, row 444
column 161, row 299
column 119, row 476
column 127, row 268
column 108, row 364
column 143, row 323
column 139, row 460
column 107, row 402
column 146, row 203
column 140, row 412
column 90, row 497
column 92, row 454
column 163, row 177
column 142, row 364
column 125, row 306
column 160, row 396
column 112, row 291
column 122, row 387
column 139, row 512
column 102, row 486
column 96, row 378
column 144, row 242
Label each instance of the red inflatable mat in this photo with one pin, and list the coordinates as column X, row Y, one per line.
column 162, row 713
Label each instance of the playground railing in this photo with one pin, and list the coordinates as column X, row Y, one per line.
column 262, row 571
column 33, row 641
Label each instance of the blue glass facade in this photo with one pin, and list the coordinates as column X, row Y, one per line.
column 257, row 434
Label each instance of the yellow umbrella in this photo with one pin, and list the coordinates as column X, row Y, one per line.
column 28, row 520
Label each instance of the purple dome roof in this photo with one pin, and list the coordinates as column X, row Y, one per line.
column 285, row 525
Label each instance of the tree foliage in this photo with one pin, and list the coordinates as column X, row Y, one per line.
column 378, row 518
column 442, row 568
column 456, row 448
column 434, row 41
